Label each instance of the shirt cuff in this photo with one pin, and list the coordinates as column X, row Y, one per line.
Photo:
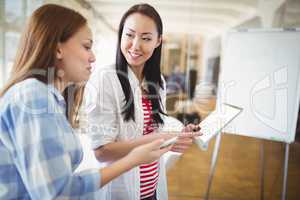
column 92, row 180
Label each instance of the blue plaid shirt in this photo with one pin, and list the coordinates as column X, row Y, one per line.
column 38, row 149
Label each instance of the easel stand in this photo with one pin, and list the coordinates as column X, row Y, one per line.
column 214, row 162
column 285, row 171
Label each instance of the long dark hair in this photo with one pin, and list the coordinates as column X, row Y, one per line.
column 151, row 69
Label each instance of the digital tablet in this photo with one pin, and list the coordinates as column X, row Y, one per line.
column 216, row 121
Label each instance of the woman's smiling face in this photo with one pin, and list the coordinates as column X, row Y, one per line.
column 139, row 39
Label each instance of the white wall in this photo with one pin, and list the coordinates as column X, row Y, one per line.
column 211, row 49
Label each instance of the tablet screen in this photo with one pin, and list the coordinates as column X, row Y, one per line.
column 216, row 121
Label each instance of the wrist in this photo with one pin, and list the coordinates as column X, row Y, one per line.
column 130, row 161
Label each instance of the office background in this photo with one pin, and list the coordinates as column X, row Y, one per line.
column 194, row 31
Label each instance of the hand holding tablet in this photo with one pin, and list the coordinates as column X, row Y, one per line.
column 168, row 142
column 210, row 126
column 216, row 121
column 184, row 139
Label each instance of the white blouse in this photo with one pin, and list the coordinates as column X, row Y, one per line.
column 104, row 100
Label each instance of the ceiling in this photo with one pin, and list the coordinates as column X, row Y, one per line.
column 205, row 17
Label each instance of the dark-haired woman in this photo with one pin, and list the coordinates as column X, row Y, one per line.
column 129, row 106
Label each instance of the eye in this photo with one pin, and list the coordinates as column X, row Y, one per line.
column 87, row 47
column 129, row 35
column 147, row 39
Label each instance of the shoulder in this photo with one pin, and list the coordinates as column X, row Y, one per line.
column 25, row 90
column 103, row 73
column 102, row 76
column 163, row 80
column 107, row 70
column 163, row 89
column 32, row 95
column 103, row 88
column 164, row 84
column 29, row 85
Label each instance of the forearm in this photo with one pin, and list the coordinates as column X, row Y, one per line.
column 116, row 150
column 143, row 154
column 116, row 169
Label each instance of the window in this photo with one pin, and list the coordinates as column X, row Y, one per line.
column 13, row 16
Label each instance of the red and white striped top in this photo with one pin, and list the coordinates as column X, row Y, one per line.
column 148, row 172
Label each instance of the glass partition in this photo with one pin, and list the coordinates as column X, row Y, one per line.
column 13, row 16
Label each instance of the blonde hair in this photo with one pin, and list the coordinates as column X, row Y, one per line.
column 36, row 55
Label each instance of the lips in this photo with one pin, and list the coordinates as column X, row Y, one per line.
column 134, row 55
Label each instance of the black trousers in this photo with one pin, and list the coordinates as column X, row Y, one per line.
column 151, row 198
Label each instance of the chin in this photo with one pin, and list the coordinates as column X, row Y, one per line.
column 136, row 65
column 85, row 80
column 82, row 80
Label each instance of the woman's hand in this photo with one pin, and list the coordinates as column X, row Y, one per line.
column 147, row 153
column 142, row 154
column 191, row 128
column 185, row 139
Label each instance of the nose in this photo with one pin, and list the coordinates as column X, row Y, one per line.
column 136, row 43
column 92, row 57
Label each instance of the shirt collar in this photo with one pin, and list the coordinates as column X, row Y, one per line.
column 132, row 78
column 57, row 94
column 144, row 85
column 135, row 82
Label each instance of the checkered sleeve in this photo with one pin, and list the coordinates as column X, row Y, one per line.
column 43, row 156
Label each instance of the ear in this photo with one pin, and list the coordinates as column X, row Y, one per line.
column 59, row 51
column 158, row 41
